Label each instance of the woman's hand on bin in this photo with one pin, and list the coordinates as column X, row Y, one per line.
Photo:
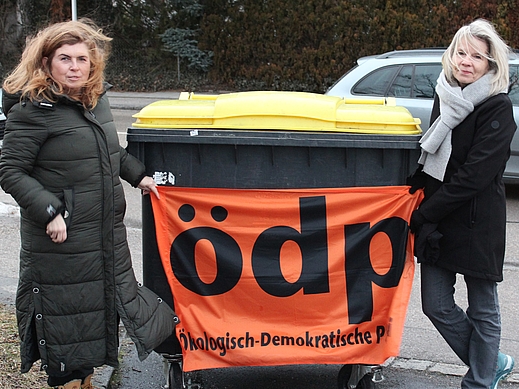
column 148, row 185
column 416, row 181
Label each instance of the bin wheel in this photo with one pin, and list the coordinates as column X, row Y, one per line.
column 366, row 382
column 176, row 379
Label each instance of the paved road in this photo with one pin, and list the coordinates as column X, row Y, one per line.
column 425, row 361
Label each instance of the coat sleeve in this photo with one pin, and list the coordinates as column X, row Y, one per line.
column 25, row 133
column 485, row 160
column 132, row 170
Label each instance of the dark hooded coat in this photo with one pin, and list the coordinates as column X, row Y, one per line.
column 469, row 207
column 59, row 157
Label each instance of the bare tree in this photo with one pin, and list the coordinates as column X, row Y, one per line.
column 11, row 34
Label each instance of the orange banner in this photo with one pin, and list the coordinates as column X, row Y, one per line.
column 287, row 276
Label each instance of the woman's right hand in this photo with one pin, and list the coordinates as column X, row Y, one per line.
column 57, row 229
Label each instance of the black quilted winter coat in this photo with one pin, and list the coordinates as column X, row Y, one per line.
column 60, row 157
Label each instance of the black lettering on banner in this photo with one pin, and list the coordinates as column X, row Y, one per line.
column 205, row 342
column 360, row 274
column 380, row 333
column 265, row 339
column 229, row 262
column 312, row 241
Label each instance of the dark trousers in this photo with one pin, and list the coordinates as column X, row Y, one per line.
column 474, row 333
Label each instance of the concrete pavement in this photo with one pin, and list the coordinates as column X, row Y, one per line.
column 138, row 100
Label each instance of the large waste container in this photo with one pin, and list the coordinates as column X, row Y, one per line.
column 263, row 140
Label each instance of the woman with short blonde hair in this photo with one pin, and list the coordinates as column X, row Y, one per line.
column 497, row 55
column 460, row 227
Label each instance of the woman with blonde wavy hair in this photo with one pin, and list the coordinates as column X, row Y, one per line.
column 32, row 79
column 62, row 163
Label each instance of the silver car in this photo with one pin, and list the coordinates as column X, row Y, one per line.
column 410, row 77
column 2, row 121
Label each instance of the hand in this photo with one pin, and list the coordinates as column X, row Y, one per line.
column 57, row 229
column 416, row 181
column 148, row 185
column 417, row 221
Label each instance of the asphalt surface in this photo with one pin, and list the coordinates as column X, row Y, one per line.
column 425, row 361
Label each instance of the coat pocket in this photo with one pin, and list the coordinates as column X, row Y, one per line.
column 473, row 211
column 68, row 198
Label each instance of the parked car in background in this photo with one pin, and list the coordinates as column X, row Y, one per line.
column 2, row 120
column 410, row 77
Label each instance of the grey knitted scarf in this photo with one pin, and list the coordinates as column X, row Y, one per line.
column 455, row 105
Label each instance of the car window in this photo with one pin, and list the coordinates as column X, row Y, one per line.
column 401, row 87
column 425, row 80
column 376, row 83
column 417, row 81
column 513, row 91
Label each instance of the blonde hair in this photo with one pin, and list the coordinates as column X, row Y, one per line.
column 33, row 79
column 497, row 56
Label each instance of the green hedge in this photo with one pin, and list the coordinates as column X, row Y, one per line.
column 272, row 44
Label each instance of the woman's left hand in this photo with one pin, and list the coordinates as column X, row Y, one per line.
column 148, row 185
column 417, row 221
column 57, row 229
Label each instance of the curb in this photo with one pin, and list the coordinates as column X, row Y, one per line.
column 136, row 101
column 436, row 367
column 102, row 377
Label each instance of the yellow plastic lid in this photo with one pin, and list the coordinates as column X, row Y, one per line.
column 297, row 111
